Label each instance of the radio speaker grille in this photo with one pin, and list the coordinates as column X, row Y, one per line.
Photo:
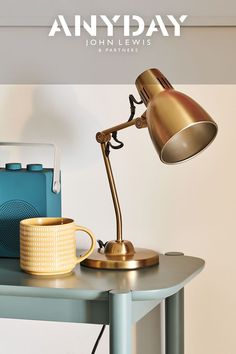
column 11, row 213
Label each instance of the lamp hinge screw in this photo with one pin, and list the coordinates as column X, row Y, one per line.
column 141, row 122
column 102, row 137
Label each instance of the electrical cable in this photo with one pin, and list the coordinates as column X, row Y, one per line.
column 98, row 339
column 101, row 244
column 132, row 101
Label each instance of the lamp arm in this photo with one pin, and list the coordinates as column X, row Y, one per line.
column 114, row 194
column 103, row 138
column 105, row 135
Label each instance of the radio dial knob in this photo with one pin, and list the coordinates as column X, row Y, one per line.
column 13, row 166
column 34, row 167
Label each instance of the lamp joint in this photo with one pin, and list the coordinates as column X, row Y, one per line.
column 141, row 122
column 103, row 137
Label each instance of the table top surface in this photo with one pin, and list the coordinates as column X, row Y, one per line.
column 156, row 282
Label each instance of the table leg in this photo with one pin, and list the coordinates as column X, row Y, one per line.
column 175, row 323
column 120, row 320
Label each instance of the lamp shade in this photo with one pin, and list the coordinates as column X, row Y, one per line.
column 179, row 127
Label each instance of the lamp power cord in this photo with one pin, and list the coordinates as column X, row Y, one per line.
column 98, row 339
column 133, row 102
column 101, row 245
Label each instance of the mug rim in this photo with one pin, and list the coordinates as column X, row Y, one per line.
column 45, row 221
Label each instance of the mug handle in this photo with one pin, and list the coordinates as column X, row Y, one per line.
column 93, row 243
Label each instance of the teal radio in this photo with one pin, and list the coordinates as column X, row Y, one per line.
column 28, row 192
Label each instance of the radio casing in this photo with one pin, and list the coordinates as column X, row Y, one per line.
column 24, row 193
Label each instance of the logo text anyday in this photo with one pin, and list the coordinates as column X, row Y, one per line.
column 132, row 26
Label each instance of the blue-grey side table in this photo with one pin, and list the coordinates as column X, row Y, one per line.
column 117, row 298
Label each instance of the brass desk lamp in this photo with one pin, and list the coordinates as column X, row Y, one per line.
column 179, row 129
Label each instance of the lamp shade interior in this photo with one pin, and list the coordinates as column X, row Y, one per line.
column 188, row 142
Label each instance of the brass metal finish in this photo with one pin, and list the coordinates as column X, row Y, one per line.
column 150, row 83
column 113, row 193
column 105, row 135
column 117, row 248
column 101, row 137
column 179, row 127
column 141, row 122
column 119, row 253
column 141, row 258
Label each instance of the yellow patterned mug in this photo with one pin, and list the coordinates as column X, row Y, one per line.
column 48, row 245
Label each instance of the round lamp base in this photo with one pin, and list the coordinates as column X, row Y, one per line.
column 142, row 258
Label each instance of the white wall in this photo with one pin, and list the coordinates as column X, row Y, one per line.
column 189, row 207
